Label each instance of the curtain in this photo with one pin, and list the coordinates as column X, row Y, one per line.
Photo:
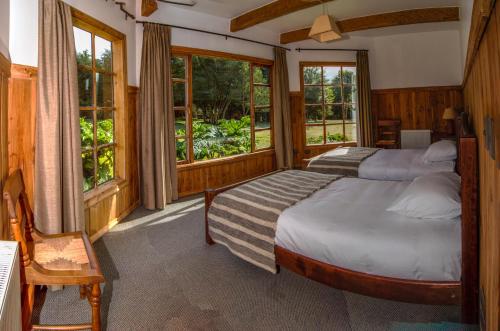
column 366, row 137
column 158, row 151
column 58, row 200
column 282, row 117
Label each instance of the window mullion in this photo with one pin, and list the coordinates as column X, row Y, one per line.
column 252, row 110
column 94, row 107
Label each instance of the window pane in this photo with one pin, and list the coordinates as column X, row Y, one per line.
column 221, row 92
column 351, row 132
column 105, row 130
column 335, row 133
column 313, row 94
column 263, row 118
column 87, row 128
column 103, row 54
column 312, row 75
column 314, row 135
column 331, row 75
column 179, row 94
column 262, row 139
column 314, row 114
column 180, row 122
column 261, row 75
column 88, row 170
column 350, row 94
column 349, row 75
column 333, row 114
column 351, row 113
column 83, row 45
column 104, row 90
column 85, row 88
column 262, row 96
column 178, row 67
column 181, row 149
column 105, row 165
column 333, row 94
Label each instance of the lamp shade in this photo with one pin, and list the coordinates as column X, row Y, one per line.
column 325, row 29
column 449, row 113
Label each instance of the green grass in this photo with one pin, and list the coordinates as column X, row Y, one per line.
column 315, row 133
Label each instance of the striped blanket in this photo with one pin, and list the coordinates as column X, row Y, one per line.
column 341, row 161
column 244, row 219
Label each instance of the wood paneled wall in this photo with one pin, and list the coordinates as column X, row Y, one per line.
column 197, row 177
column 418, row 108
column 113, row 201
column 482, row 97
column 4, row 152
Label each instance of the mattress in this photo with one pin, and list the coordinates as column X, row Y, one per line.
column 346, row 224
column 400, row 164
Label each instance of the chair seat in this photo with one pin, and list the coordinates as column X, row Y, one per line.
column 61, row 253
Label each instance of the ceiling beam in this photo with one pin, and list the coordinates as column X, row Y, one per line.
column 405, row 17
column 269, row 12
column 148, row 7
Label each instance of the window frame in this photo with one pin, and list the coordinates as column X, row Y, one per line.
column 323, row 103
column 188, row 53
column 119, row 107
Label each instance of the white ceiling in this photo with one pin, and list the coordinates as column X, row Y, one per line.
column 340, row 9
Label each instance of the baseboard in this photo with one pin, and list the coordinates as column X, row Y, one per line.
column 114, row 222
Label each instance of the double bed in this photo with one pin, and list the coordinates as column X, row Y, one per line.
column 337, row 230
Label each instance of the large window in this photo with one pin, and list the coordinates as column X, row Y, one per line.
column 223, row 106
column 330, row 97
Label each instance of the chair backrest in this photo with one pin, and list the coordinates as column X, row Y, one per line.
column 20, row 214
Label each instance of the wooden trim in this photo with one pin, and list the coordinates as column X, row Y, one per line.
column 417, row 89
column 303, row 64
column 5, row 65
column 148, row 7
column 23, row 71
column 269, row 12
column 181, row 50
column 404, row 17
column 224, row 160
column 88, row 23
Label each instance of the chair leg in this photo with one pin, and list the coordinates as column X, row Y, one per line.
column 95, row 302
column 83, row 292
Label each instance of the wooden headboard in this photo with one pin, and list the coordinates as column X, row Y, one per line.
column 467, row 167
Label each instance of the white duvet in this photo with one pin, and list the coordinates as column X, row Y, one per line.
column 346, row 224
column 400, row 164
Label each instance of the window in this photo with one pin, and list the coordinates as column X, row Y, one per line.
column 330, row 97
column 223, row 106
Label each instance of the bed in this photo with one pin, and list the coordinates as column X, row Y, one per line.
column 320, row 251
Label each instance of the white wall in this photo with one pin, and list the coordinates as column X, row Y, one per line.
column 24, row 28
column 465, row 21
column 4, row 27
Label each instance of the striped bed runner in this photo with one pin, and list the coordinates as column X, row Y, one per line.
column 244, row 219
column 342, row 161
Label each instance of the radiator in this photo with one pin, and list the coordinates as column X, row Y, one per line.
column 415, row 138
column 10, row 287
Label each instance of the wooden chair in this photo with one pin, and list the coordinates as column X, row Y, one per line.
column 61, row 259
column 388, row 134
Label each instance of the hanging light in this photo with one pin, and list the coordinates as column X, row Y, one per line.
column 324, row 28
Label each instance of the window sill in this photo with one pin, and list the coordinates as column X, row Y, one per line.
column 93, row 197
column 339, row 144
column 225, row 160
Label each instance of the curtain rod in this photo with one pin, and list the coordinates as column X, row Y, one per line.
column 330, row 49
column 216, row 34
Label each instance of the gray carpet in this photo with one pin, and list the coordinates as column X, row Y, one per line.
column 162, row 276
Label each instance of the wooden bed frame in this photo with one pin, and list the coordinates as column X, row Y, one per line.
column 464, row 292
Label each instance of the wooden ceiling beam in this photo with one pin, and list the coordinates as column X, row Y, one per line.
column 148, row 7
column 269, row 12
column 405, row 17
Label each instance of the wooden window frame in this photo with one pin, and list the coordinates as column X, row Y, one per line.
column 187, row 53
column 323, row 104
column 120, row 84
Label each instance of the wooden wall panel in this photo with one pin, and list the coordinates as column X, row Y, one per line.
column 4, row 151
column 114, row 201
column 197, row 177
column 482, row 98
column 417, row 108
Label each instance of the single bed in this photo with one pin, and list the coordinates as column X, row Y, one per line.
column 378, row 254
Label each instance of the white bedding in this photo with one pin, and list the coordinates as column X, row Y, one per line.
column 400, row 164
column 346, row 224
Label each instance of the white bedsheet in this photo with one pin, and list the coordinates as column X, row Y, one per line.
column 400, row 164
column 346, row 224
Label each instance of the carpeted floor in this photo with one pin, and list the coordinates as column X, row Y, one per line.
column 162, row 276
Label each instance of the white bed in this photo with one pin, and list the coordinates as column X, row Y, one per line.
column 362, row 236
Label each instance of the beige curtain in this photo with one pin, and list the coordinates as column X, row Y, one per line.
column 364, row 100
column 58, row 164
column 282, row 117
column 158, row 152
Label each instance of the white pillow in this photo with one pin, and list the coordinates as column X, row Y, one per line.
column 443, row 150
column 432, row 196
